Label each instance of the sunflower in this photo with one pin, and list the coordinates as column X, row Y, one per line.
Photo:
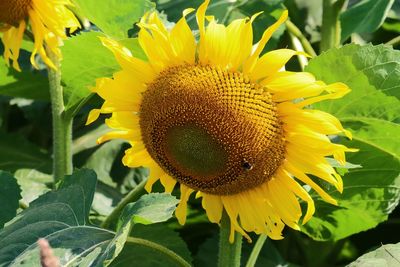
column 46, row 19
column 218, row 118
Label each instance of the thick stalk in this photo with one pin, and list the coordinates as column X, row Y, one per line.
column 256, row 251
column 130, row 197
column 229, row 254
column 62, row 125
column 330, row 31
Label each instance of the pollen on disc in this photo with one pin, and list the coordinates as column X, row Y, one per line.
column 211, row 129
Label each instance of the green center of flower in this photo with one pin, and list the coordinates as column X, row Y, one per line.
column 13, row 11
column 195, row 150
column 211, row 129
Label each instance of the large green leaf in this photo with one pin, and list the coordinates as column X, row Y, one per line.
column 17, row 153
column 371, row 112
column 61, row 216
column 10, row 194
column 386, row 255
column 364, row 17
column 114, row 17
column 85, row 60
column 26, row 84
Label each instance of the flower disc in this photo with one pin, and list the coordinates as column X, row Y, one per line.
column 12, row 11
column 211, row 129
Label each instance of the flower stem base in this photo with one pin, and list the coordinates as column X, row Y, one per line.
column 229, row 253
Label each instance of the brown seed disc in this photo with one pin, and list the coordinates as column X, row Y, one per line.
column 212, row 130
column 13, row 11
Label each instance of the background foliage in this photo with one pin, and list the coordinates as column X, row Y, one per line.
column 72, row 216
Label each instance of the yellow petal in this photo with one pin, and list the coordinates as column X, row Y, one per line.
column 251, row 62
column 214, row 43
column 138, row 68
column 213, row 207
column 307, row 180
column 292, row 185
column 181, row 210
column 200, row 17
column 182, row 39
column 93, row 115
column 272, row 62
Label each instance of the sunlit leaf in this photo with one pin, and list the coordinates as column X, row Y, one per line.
column 32, row 85
column 114, row 17
column 85, row 60
column 371, row 112
column 33, row 183
column 386, row 255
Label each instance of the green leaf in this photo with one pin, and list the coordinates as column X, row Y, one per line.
column 88, row 140
column 364, row 17
column 85, row 60
column 114, row 17
column 17, row 153
column 386, row 255
column 370, row 111
column 148, row 209
column 26, row 84
column 61, row 217
column 102, row 160
column 33, row 183
column 10, row 194
column 148, row 257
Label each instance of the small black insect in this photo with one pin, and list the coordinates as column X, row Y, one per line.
column 247, row 165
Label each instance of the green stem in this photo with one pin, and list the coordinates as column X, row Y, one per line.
column 166, row 251
column 231, row 8
column 256, row 251
column 330, row 31
column 303, row 40
column 130, row 197
column 395, row 41
column 229, row 254
column 62, row 125
column 303, row 61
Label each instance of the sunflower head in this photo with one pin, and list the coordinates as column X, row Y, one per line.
column 219, row 118
column 231, row 142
